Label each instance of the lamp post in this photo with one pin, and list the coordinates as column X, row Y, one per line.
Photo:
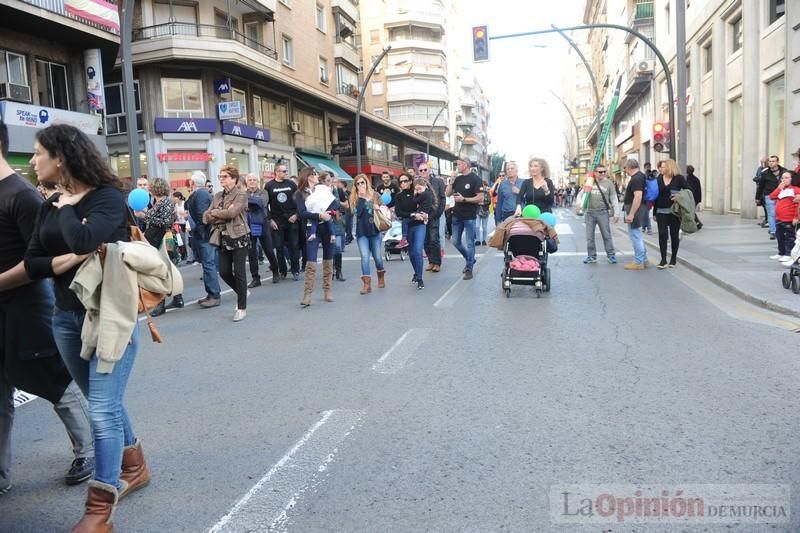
column 126, row 36
column 360, row 103
column 585, row 64
column 430, row 131
column 574, row 123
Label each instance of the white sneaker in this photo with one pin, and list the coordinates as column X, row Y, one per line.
column 239, row 315
column 776, row 256
column 787, row 262
column 783, row 258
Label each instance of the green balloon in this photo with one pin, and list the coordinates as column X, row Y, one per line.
column 531, row 211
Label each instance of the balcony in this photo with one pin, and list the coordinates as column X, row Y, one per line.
column 466, row 121
column 347, row 53
column 642, row 20
column 347, row 7
column 429, row 15
column 417, row 44
column 421, row 120
column 201, row 42
column 404, row 68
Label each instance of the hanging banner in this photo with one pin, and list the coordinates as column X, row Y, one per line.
column 100, row 12
column 93, row 63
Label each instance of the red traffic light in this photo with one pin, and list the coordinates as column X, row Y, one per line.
column 661, row 136
column 480, row 43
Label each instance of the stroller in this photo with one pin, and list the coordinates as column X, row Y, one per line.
column 392, row 239
column 525, row 254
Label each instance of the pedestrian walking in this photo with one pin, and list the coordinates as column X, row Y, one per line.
column 199, row 202
column 508, row 193
column 601, row 210
column 697, row 192
column 285, row 226
column 635, row 210
column 231, row 234
column 482, row 222
column 339, row 225
column 465, row 190
column 159, row 219
column 258, row 218
column 786, row 197
column 363, row 203
column 29, row 358
column 435, row 226
column 319, row 232
column 405, row 205
column 538, row 190
column 670, row 183
column 179, row 201
column 768, row 182
column 425, row 210
column 89, row 210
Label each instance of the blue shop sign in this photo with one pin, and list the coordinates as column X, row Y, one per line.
column 243, row 130
column 185, row 125
column 222, row 86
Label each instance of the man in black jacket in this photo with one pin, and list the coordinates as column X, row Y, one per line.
column 198, row 203
column 768, row 182
column 697, row 192
column 433, row 247
column 29, row 358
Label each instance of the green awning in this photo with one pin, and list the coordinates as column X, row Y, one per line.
column 323, row 164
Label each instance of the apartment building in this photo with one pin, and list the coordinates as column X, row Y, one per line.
column 584, row 108
column 52, row 58
column 472, row 121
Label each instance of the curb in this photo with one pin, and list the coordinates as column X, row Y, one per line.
column 733, row 289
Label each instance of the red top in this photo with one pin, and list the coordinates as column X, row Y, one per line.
column 785, row 208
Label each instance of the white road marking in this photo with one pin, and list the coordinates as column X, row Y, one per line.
column 21, row 398
column 564, row 229
column 265, row 507
column 479, row 258
column 393, row 360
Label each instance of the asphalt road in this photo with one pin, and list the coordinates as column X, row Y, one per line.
column 448, row 409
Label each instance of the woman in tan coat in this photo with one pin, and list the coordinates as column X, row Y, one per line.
column 228, row 216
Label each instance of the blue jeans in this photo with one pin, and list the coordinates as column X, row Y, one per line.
column 482, row 229
column 459, row 228
column 367, row 246
column 338, row 248
column 210, row 260
column 111, row 425
column 769, row 203
column 639, row 250
column 319, row 234
column 404, row 225
column 416, row 243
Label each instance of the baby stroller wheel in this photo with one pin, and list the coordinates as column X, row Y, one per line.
column 796, row 285
column 538, row 293
column 547, row 280
column 786, row 280
column 508, row 293
column 402, row 255
column 386, row 256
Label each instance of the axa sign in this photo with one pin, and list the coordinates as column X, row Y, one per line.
column 185, row 125
column 245, row 130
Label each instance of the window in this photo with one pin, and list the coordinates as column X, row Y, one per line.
column 777, row 9
column 374, row 36
column 276, row 118
column 182, row 97
column 183, row 21
column 312, row 133
column 382, row 150
column 378, row 112
column 252, row 30
column 13, row 68
column 321, row 22
column 776, row 105
column 324, row 74
column 52, row 81
column 667, row 18
column 257, row 112
column 708, row 58
column 736, row 34
column 377, row 88
column 286, row 3
column 223, row 30
column 116, row 117
column 288, row 51
column 239, row 95
column 346, row 80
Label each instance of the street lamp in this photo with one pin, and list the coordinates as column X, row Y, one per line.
column 574, row 123
column 360, row 103
column 430, row 131
column 126, row 36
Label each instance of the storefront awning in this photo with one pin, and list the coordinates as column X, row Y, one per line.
column 323, row 164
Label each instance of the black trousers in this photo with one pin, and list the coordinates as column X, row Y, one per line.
column 269, row 250
column 287, row 235
column 785, row 235
column 433, row 248
column 668, row 227
column 232, row 271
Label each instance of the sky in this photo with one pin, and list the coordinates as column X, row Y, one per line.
column 526, row 120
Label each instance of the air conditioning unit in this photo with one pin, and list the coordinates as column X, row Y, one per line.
column 11, row 91
column 645, row 67
column 294, row 127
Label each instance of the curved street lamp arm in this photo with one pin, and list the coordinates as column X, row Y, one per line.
column 360, row 103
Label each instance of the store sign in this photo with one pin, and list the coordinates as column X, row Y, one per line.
column 342, row 148
column 184, row 156
column 228, row 110
column 246, row 131
column 222, row 86
column 15, row 114
column 185, row 125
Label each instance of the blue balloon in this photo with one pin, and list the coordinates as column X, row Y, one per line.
column 386, row 197
column 138, row 199
column 548, row 218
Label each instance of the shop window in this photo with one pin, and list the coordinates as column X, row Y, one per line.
column 53, row 86
column 276, row 118
column 312, row 133
column 182, row 97
column 121, row 165
column 240, row 161
column 116, row 117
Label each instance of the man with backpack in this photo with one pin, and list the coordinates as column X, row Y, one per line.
column 601, row 210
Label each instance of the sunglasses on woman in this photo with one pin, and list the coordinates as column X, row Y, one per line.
column 404, row 181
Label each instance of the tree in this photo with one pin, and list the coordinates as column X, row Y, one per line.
column 497, row 163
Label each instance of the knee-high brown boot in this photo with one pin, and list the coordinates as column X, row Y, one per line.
column 327, row 280
column 308, row 283
column 100, row 502
column 381, row 279
column 134, row 469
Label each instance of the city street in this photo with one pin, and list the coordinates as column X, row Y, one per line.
column 448, row 409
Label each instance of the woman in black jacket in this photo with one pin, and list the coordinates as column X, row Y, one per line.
column 670, row 182
column 424, row 209
column 539, row 190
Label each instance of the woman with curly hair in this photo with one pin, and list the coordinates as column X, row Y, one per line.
column 318, row 231
column 539, row 190
column 363, row 202
column 89, row 210
column 158, row 220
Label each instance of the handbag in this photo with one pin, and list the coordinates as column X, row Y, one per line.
column 382, row 218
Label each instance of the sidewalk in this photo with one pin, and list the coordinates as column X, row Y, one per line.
column 734, row 253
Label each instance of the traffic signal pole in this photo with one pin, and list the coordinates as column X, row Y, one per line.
column 650, row 44
column 680, row 65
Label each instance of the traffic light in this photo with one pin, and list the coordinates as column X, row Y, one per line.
column 661, row 137
column 480, row 43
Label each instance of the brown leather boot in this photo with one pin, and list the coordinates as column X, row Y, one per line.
column 366, row 288
column 381, row 279
column 327, row 280
column 308, row 283
column 100, row 502
column 134, row 470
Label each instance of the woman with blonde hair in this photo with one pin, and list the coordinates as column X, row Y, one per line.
column 538, row 190
column 670, row 182
column 228, row 216
column 363, row 202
